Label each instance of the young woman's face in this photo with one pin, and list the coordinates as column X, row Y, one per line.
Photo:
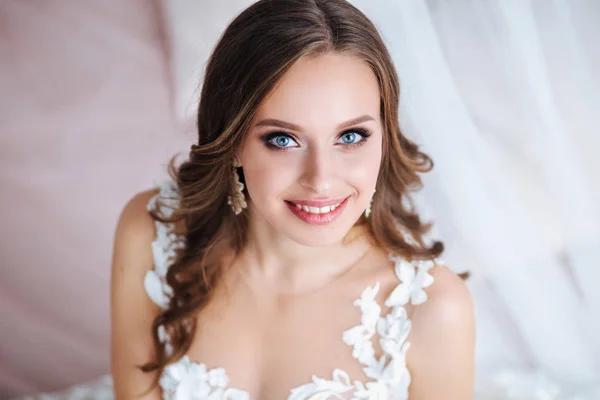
column 312, row 155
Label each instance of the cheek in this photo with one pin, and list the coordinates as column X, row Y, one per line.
column 267, row 176
column 362, row 170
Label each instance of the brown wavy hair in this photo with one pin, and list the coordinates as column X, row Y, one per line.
column 252, row 55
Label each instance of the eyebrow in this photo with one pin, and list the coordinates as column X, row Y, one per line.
column 288, row 125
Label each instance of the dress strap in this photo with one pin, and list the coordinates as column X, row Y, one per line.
column 164, row 249
column 165, row 244
column 390, row 370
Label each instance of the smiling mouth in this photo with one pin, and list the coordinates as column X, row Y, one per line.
column 318, row 212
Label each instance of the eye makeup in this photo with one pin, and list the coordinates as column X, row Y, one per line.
column 277, row 140
column 362, row 133
column 280, row 140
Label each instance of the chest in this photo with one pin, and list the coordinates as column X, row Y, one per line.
column 275, row 348
column 268, row 346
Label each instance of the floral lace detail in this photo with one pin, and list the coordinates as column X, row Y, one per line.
column 186, row 379
column 164, row 249
column 414, row 277
column 165, row 245
column 322, row 389
column 390, row 377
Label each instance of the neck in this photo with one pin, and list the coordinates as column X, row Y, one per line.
column 282, row 263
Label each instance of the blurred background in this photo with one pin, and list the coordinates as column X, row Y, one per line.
column 95, row 96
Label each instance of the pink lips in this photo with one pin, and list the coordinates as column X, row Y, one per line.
column 318, row 219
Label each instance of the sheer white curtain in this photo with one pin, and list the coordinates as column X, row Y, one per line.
column 504, row 95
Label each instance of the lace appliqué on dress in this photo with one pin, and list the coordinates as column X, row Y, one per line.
column 189, row 380
column 391, row 378
column 164, row 249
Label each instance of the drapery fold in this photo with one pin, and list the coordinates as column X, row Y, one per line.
column 504, row 97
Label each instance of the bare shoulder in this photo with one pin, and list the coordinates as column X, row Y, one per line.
column 441, row 358
column 132, row 311
column 449, row 300
column 132, row 246
column 135, row 223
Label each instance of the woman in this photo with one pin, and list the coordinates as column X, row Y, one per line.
column 285, row 259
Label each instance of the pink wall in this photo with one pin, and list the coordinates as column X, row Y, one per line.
column 85, row 122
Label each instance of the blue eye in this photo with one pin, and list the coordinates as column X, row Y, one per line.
column 283, row 141
column 279, row 141
column 353, row 137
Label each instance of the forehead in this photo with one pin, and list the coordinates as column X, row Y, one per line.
column 323, row 91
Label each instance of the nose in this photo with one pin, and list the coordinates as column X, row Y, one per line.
column 318, row 172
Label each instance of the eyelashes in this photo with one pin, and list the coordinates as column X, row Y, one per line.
column 350, row 138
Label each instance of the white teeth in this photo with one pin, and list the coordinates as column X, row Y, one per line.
column 317, row 210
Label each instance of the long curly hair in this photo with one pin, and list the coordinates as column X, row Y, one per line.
column 251, row 56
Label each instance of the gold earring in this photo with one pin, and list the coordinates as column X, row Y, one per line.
column 368, row 209
column 238, row 200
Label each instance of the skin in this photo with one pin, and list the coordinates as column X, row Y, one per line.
column 277, row 318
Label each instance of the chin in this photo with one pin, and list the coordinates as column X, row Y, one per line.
column 319, row 238
column 316, row 235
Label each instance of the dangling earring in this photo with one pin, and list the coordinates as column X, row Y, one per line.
column 238, row 200
column 368, row 209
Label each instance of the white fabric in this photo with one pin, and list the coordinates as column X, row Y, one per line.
column 504, row 95
column 501, row 95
